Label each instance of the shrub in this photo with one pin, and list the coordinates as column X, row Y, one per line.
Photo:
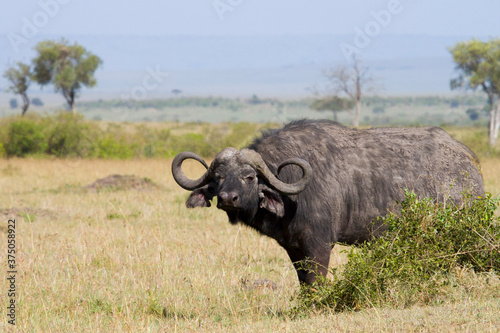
column 113, row 145
column 236, row 135
column 154, row 142
column 3, row 153
column 69, row 135
column 193, row 142
column 241, row 135
column 472, row 113
column 13, row 103
column 24, row 137
column 37, row 101
column 416, row 260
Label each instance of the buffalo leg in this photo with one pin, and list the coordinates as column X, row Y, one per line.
column 310, row 264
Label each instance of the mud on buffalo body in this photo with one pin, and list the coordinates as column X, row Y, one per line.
column 312, row 184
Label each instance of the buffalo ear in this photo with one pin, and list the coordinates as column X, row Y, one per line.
column 200, row 197
column 270, row 200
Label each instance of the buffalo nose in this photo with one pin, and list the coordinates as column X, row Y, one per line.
column 231, row 199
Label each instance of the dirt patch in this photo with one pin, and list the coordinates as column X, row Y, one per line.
column 121, row 182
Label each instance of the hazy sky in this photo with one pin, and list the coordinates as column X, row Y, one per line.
column 255, row 17
column 24, row 23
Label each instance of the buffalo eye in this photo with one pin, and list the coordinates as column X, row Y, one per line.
column 249, row 179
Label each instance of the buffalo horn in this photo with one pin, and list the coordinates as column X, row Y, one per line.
column 282, row 187
column 180, row 177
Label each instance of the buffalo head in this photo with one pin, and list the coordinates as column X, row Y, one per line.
column 242, row 182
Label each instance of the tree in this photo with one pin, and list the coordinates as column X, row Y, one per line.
column 20, row 79
column 67, row 67
column 478, row 66
column 352, row 81
column 332, row 103
column 13, row 103
column 37, row 101
column 254, row 100
column 472, row 113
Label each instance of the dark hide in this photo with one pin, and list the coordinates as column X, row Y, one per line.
column 201, row 197
column 357, row 176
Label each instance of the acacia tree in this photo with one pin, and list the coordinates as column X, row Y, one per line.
column 20, row 79
column 351, row 81
column 478, row 65
column 67, row 67
column 332, row 103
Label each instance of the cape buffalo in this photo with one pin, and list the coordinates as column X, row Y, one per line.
column 312, row 184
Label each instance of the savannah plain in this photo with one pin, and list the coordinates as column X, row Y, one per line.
column 134, row 259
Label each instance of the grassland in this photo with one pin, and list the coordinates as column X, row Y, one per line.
column 136, row 260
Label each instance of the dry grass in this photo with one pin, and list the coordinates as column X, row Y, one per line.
column 491, row 174
column 138, row 260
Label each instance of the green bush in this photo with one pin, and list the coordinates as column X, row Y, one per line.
column 3, row 153
column 416, row 260
column 241, row 135
column 193, row 142
column 114, row 145
column 69, row 136
column 24, row 137
column 155, row 143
